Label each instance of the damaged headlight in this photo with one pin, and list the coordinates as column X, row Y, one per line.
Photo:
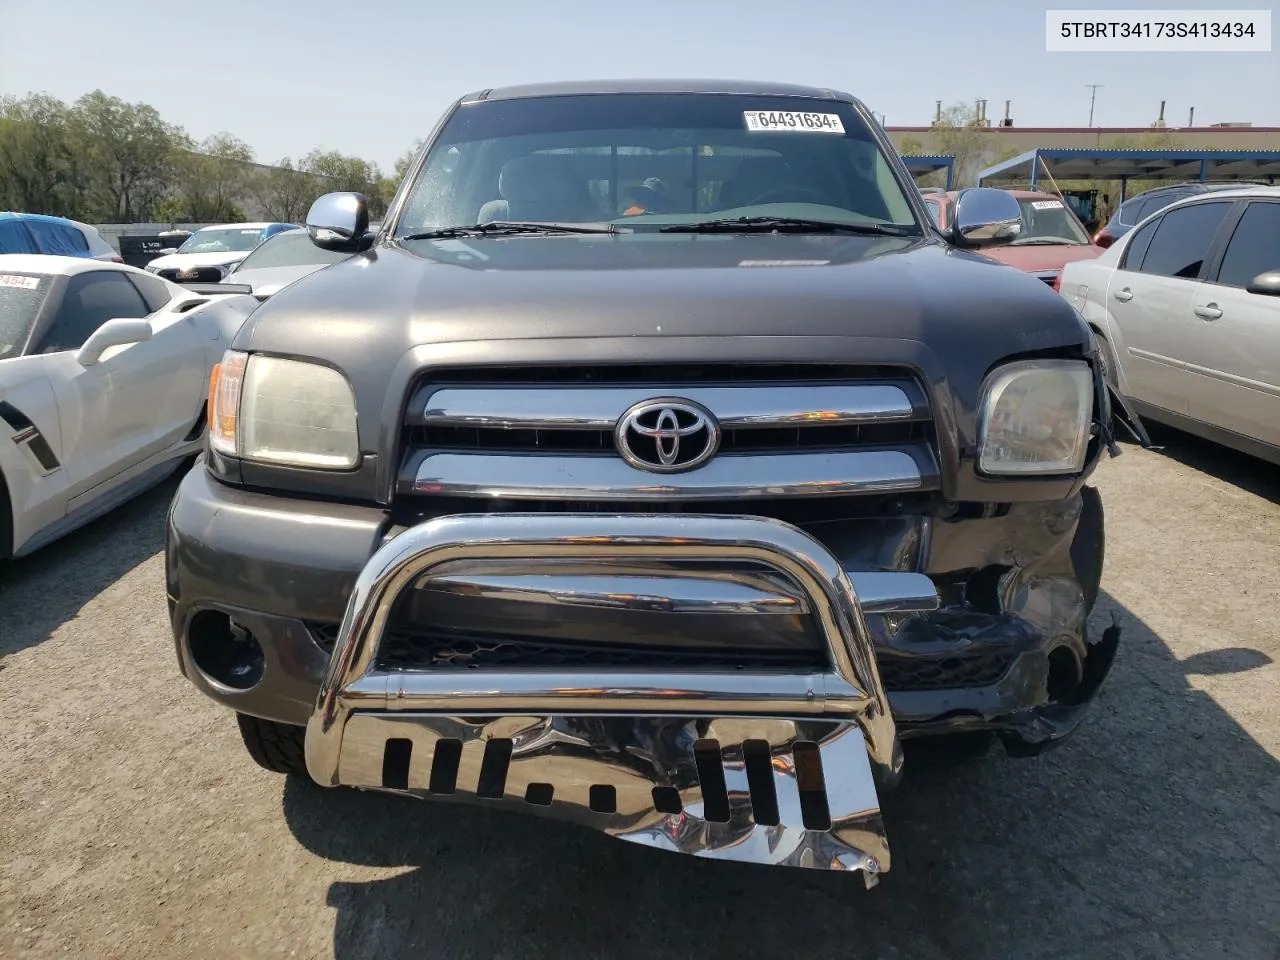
column 287, row 412
column 1035, row 418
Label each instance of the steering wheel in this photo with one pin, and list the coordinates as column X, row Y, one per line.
column 791, row 194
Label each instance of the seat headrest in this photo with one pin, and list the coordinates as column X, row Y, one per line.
column 539, row 177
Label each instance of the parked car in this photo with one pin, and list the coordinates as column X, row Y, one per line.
column 1187, row 310
column 211, row 253
column 103, row 377
column 37, row 233
column 1140, row 206
column 1051, row 235
column 656, row 455
column 280, row 260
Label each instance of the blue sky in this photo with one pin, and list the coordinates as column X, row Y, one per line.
column 368, row 78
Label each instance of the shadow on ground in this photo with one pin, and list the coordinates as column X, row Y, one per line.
column 1239, row 469
column 40, row 592
column 1152, row 833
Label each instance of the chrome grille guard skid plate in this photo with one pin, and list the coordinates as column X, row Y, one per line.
column 380, row 729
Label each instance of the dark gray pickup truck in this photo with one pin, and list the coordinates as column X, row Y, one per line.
column 656, row 464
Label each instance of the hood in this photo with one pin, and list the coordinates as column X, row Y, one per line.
column 181, row 261
column 268, row 280
column 1043, row 258
column 642, row 297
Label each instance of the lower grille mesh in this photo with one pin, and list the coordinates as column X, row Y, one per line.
column 404, row 650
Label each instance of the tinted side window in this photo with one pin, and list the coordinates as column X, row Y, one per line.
column 1182, row 240
column 153, row 290
column 932, row 207
column 1159, row 202
column 1254, row 246
column 1129, row 211
column 1137, row 248
column 91, row 299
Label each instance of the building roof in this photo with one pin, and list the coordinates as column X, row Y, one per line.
column 1078, row 163
column 920, row 165
column 1102, row 131
column 571, row 87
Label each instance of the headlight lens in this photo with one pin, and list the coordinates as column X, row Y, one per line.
column 282, row 411
column 1035, row 418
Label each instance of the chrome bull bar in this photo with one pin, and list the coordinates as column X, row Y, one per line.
column 573, row 737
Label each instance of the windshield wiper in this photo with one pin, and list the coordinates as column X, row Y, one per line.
column 787, row 225
column 500, row 228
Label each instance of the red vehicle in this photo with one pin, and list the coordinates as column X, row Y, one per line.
column 1051, row 236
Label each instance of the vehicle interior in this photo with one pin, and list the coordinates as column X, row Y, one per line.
column 668, row 176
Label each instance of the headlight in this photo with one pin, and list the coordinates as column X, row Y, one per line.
column 282, row 411
column 1035, row 418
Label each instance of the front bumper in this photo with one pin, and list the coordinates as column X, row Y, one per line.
column 663, row 759
column 624, row 749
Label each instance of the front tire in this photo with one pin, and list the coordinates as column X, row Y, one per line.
column 278, row 747
column 1107, row 359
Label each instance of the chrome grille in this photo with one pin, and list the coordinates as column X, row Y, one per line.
column 784, row 430
column 834, row 437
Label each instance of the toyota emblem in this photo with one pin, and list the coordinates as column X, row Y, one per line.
column 667, row 435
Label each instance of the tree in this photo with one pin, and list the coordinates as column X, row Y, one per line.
column 285, row 192
column 212, row 178
column 336, row 172
column 36, row 156
column 128, row 150
column 957, row 134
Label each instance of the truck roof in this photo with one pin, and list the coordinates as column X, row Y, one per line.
column 566, row 88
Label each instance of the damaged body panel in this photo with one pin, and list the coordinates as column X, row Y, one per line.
column 672, row 522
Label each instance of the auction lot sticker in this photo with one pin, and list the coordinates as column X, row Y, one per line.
column 771, row 120
column 1046, row 205
column 12, row 280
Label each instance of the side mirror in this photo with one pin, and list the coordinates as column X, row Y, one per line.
column 1265, row 284
column 339, row 221
column 984, row 216
column 113, row 333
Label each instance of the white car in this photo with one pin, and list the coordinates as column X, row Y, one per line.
column 104, row 373
column 1186, row 306
column 222, row 247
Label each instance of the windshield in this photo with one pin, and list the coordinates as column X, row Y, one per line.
column 293, row 248
column 20, row 299
column 222, row 240
column 1047, row 219
column 653, row 159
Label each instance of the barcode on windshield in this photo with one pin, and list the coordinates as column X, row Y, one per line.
column 772, row 120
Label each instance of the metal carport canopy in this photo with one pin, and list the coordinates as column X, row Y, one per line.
column 921, row 165
column 1062, row 163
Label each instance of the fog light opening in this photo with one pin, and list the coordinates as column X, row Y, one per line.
column 224, row 651
column 1065, row 674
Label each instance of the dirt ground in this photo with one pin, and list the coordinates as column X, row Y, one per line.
column 132, row 824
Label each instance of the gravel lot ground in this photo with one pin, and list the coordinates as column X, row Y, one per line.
column 132, row 824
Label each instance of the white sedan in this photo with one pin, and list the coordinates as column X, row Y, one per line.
column 104, row 372
column 1187, row 310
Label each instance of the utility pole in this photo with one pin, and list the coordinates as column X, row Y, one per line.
column 1093, row 95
